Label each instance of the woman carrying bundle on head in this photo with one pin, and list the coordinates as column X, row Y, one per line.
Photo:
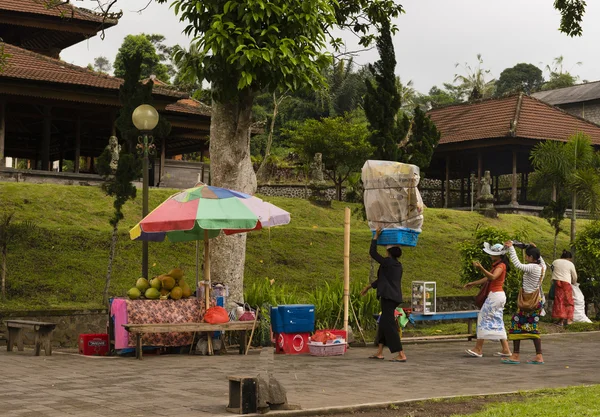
column 563, row 275
column 490, row 320
column 525, row 322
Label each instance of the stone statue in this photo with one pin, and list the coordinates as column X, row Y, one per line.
column 115, row 149
column 316, row 169
column 486, row 199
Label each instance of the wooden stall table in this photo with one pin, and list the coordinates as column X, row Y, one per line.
column 43, row 335
column 140, row 329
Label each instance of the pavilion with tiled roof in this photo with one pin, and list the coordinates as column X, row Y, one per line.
column 497, row 135
column 53, row 111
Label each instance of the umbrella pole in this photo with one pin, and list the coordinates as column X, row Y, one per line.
column 346, row 267
column 207, row 284
column 197, row 269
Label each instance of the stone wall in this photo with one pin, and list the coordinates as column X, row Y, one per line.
column 589, row 110
column 180, row 174
column 70, row 323
column 48, row 177
column 296, row 191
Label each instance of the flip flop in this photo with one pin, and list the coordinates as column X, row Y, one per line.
column 502, row 355
column 375, row 357
column 473, row 354
column 535, row 363
column 509, row 362
column 397, row 360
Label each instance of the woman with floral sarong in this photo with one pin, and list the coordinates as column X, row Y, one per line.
column 525, row 324
column 563, row 275
column 490, row 320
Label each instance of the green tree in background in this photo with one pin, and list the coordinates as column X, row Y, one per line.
column 342, row 141
column 382, row 101
column 421, row 142
column 558, row 77
column 151, row 61
column 473, row 82
column 440, row 97
column 526, row 78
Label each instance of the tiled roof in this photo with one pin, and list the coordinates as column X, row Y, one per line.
column 190, row 106
column 26, row 65
column 66, row 11
column 574, row 94
column 494, row 118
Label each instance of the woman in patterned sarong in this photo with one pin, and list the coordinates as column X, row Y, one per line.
column 563, row 275
column 525, row 324
column 490, row 320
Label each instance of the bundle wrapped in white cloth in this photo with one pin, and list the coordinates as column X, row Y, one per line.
column 579, row 315
column 392, row 199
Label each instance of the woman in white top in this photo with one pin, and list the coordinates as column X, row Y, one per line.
column 524, row 324
column 563, row 275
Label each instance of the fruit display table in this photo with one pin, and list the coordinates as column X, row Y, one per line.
column 124, row 311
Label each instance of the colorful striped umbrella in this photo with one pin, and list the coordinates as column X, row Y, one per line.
column 189, row 214
column 202, row 213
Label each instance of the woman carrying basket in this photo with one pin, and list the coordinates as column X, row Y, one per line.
column 525, row 322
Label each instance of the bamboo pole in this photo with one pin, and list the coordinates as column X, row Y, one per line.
column 346, row 267
column 197, row 269
column 252, row 333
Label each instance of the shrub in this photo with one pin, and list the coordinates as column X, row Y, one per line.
column 587, row 249
column 472, row 251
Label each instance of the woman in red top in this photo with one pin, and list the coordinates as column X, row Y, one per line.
column 490, row 320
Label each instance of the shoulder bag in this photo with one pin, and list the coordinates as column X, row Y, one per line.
column 483, row 293
column 529, row 301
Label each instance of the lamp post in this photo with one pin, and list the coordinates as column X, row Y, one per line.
column 145, row 119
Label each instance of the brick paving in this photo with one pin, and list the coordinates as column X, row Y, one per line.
column 66, row 384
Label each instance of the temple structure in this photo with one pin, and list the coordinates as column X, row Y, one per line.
column 53, row 111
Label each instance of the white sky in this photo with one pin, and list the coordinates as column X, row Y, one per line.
column 433, row 36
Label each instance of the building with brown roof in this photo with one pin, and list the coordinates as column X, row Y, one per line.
column 497, row 135
column 581, row 100
column 54, row 111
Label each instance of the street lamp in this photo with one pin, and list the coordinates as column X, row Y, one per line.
column 145, row 119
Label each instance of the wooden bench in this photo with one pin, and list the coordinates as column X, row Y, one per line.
column 140, row 329
column 468, row 315
column 43, row 335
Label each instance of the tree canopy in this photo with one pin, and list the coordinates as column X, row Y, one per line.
column 151, row 61
column 522, row 77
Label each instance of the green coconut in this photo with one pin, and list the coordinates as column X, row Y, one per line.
column 156, row 284
column 168, row 282
column 176, row 293
column 152, row 293
column 176, row 273
column 134, row 293
column 142, row 284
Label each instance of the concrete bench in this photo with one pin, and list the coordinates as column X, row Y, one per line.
column 139, row 329
column 43, row 335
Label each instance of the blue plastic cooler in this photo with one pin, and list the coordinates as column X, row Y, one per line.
column 276, row 324
column 297, row 318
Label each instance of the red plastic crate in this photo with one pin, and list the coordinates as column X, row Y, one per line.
column 93, row 344
column 291, row 343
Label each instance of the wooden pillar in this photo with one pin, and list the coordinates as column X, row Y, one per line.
column 447, row 185
column 513, row 201
column 77, row 144
column 46, row 135
column 462, row 190
column 2, row 134
column 163, row 157
column 497, row 186
column 525, row 187
column 479, row 174
column 202, row 160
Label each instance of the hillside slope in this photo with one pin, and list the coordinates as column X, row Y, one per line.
column 66, row 264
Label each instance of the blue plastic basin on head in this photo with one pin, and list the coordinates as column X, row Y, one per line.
column 401, row 236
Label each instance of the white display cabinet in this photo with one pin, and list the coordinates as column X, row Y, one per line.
column 423, row 297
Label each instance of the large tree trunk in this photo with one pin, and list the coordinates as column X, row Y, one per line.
column 111, row 257
column 230, row 167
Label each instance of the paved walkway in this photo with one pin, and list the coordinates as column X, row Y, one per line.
column 67, row 384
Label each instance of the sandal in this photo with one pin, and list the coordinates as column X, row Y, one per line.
column 376, row 357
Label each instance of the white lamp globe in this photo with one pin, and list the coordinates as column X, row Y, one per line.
column 145, row 117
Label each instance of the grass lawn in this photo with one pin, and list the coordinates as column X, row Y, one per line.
column 65, row 266
column 572, row 401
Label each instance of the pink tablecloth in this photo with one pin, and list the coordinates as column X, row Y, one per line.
column 126, row 311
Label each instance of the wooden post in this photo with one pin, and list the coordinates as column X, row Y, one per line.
column 447, row 188
column 77, row 144
column 514, row 201
column 207, row 285
column 346, row 267
column 462, row 191
column 163, row 157
column 3, row 135
column 46, row 136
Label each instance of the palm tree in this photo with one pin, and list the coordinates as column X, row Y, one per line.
column 408, row 94
column 571, row 168
column 473, row 82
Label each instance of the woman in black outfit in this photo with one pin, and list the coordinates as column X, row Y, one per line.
column 389, row 292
